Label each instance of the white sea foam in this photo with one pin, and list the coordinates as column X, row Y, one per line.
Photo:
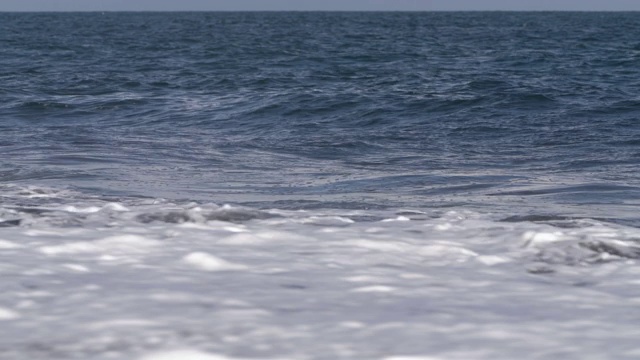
column 8, row 314
column 124, row 244
column 241, row 283
column 185, row 355
column 208, row 262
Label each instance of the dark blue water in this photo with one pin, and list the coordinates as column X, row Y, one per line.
column 530, row 113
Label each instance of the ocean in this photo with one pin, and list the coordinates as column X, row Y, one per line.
column 319, row 185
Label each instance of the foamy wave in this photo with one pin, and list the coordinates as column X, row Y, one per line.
column 242, row 282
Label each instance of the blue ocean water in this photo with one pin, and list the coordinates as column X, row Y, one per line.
column 347, row 110
column 397, row 185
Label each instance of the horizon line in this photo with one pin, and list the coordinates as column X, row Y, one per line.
column 250, row 11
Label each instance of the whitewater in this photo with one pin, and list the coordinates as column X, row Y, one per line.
column 98, row 278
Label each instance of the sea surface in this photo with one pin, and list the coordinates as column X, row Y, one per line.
column 311, row 185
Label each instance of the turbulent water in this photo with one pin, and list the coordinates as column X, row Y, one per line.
column 201, row 186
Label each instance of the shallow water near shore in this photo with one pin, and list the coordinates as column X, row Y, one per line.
column 96, row 278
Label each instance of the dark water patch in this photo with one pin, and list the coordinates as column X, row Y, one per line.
column 559, row 221
column 32, row 210
column 587, row 188
column 622, row 142
column 586, row 253
column 629, row 251
column 10, row 223
column 43, row 106
column 234, row 215
column 536, row 218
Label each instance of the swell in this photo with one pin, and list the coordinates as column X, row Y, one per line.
column 274, row 104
